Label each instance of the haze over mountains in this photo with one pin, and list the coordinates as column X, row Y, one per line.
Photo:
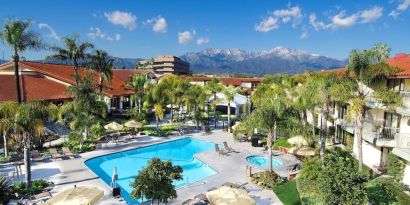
column 278, row 59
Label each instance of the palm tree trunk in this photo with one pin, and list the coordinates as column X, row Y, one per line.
column 270, row 143
column 229, row 117
column 139, row 104
column 157, row 121
column 101, row 84
column 215, row 121
column 76, row 77
column 359, row 133
column 17, row 75
column 172, row 112
column 27, row 160
column 313, row 125
column 5, row 144
column 323, row 126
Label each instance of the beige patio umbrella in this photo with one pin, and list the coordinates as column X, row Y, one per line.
column 133, row 124
column 229, row 196
column 298, row 141
column 77, row 195
column 113, row 126
column 302, row 151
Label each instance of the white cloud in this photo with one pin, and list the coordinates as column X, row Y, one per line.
column 186, row 37
column 403, row 6
column 341, row 20
column 317, row 25
column 268, row 24
column 202, row 40
column 372, row 14
column 97, row 33
column 124, row 19
column 293, row 13
column 53, row 34
column 159, row 24
column 304, row 33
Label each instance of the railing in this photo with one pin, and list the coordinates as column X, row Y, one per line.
column 403, row 140
column 386, row 133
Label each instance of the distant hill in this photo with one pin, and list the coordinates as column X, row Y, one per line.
column 278, row 59
column 118, row 62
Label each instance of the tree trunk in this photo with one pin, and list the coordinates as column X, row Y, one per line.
column 313, row 125
column 17, row 75
column 157, row 121
column 5, row 144
column 139, row 104
column 229, row 117
column 196, row 116
column 270, row 143
column 215, row 121
column 172, row 112
column 27, row 161
column 359, row 132
column 322, row 135
column 101, row 84
column 76, row 77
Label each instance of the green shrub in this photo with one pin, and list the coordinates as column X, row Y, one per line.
column 4, row 190
column 395, row 167
column 384, row 190
column 4, row 159
column 333, row 180
column 36, row 187
column 288, row 193
column 267, row 179
column 281, row 143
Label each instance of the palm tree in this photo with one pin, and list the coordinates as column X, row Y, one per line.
column 103, row 64
column 7, row 114
column 196, row 97
column 156, row 99
column 139, row 85
column 17, row 35
column 229, row 93
column 74, row 51
column 367, row 72
column 214, row 86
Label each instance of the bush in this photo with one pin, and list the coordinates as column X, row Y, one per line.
column 36, row 187
column 288, row 193
column 281, row 143
column 384, row 190
column 267, row 179
column 395, row 167
column 333, row 180
column 4, row 159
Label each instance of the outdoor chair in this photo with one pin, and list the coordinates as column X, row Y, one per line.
column 55, row 154
column 219, row 151
column 67, row 152
column 36, row 157
column 229, row 149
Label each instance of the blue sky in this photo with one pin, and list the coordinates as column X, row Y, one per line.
column 145, row 28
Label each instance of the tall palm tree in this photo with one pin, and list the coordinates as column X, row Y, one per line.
column 196, row 97
column 139, row 85
column 7, row 114
column 103, row 64
column 17, row 35
column 214, row 86
column 367, row 72
column 157, row 98
column 74, row 51
column 229, row 93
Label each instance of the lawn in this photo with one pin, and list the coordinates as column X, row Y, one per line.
column 288, row 193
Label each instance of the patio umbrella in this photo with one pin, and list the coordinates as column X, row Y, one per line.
column 298, row 141
column 229, row 196
column 303, row 151
column 133, row 124
column 113, row 126
column 114, row 178
column 77, row 195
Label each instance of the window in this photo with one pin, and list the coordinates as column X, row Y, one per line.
column 391, row 120
column 395, row 84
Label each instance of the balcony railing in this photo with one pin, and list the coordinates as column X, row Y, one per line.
column 403, row 140
column 386, row 133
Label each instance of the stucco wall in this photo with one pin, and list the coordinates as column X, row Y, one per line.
column 406, row 177
column 371, row 154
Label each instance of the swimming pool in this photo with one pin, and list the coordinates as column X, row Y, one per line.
column 263, row 161
column 128, row 163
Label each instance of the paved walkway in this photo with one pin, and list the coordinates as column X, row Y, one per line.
column 67, row 173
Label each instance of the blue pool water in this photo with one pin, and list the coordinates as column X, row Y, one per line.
column 263, row 161
column 128, row 163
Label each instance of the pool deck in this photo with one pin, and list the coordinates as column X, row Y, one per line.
column 231, row 168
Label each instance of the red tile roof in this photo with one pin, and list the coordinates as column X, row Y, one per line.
column 401, row 61
column 65, row 73
column 33, row 87
column 125, row 74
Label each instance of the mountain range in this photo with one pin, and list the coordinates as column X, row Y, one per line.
column 278, row 59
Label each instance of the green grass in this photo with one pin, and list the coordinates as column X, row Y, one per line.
column 281, row 143
column 288, row 193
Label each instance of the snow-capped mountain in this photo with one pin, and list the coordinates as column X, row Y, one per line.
column 278, row 59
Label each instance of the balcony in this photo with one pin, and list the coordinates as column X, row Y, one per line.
column 379, row 135
column 402, row 148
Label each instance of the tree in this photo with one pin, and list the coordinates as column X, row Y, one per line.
column 214, row 86
column 74, row 51
column 17, row 35
column 366, row 75
column 85, row 108
column 139, row 85
column 154, row 182
column 333, row 180
column 196, row 97
column 156, row 99
column 7, row 114
column 103, row 64
column 229, row 93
